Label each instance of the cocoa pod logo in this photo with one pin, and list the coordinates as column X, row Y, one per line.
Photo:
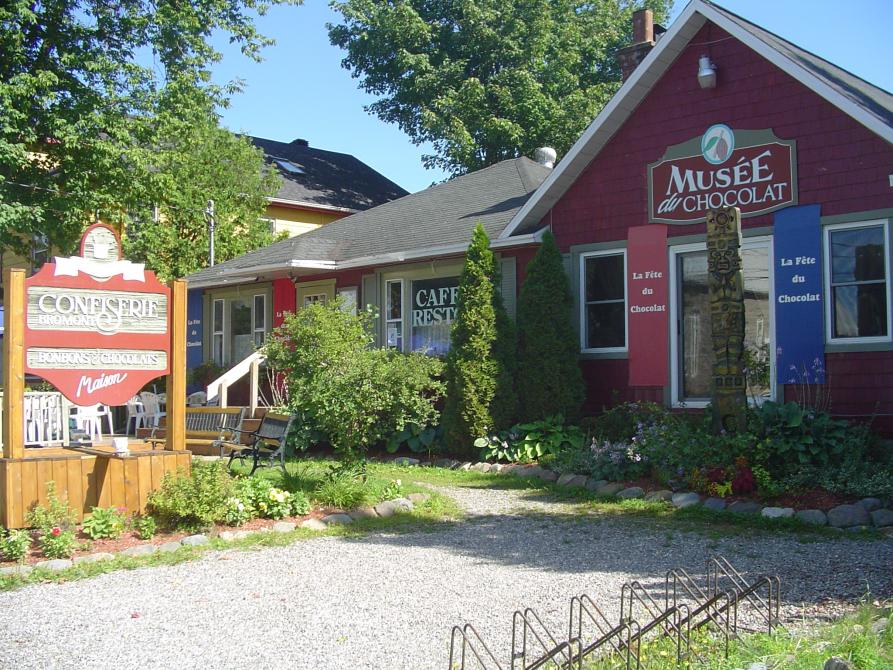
column 717, row 144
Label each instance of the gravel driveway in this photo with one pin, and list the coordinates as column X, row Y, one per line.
column 387, row 601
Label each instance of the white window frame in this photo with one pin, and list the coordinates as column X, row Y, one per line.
column 884, row 225
column 675, row 251
column 221, row 333
column 583, row 303
column 254, row 329
column 400, row 319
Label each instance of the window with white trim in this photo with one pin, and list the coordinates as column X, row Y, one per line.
column 260, row 320
column 603, row 304
column 394, row 314
column 857, row 282
column 217, row 333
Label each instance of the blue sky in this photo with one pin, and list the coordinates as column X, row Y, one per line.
column 301, row 90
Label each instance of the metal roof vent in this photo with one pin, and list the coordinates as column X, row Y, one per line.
column 545, row 156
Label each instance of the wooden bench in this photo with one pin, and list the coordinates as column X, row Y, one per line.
column 204, row 427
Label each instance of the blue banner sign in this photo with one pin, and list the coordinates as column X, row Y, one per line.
column 799, row 330
column 194, row 328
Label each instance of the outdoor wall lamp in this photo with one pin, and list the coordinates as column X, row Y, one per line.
column 706, row 72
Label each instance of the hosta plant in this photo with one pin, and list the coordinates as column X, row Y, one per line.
column 105, row 523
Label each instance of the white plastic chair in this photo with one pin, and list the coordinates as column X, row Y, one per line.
column 89, row 420
column 152, row 408
column 136, row 412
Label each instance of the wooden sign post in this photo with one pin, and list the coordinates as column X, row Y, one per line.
column 14, row 365
column 99, row 328
column 726, row 284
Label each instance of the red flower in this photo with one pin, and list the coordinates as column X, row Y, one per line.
column 56, row 531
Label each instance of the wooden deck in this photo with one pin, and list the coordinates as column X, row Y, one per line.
column 92, row 477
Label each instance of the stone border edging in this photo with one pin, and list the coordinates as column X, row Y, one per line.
column 383, row 509
column 866, row 514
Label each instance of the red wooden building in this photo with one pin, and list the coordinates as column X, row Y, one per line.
column 714, row 111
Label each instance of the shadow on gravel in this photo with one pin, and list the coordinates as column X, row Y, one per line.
column 812, row 573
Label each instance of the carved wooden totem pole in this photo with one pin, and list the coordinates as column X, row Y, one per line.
column 727, row 318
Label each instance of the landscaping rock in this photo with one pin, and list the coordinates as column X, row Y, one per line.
column 595, row 484
column 685, row 499
column 847, row 516
column 403, row 460
column 481, row 467
column 385, row 509
column 814, row 516
column 759, row 665
column 21, row 570
column 871, row 504
column 139, row 550
column 857, row 529
column 745, row 507
column 315, row 524
column 363, row 513
column 94, row 558
column 610, row 489
column 194, row 540
column 465, row 467
column 337, row 519
column 496, row 468
column 284, row 526
column 511, row 469
column 777, row 512
column 55, row 565
column 227, row 535
column 715, row 504
column 402, row 504
column 837, row 663
column 879, row 626
column 548, row 475
column 418, row 498
column 571, row 479
column 448, row 463
column 631, row 492
column 171, row 547
column 882, row 517
column 659, row 496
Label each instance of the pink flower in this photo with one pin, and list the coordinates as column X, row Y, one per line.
column 56, row 531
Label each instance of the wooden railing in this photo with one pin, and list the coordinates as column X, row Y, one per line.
column 46, row 418
column 250, row 365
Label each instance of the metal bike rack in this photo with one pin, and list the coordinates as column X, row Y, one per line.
column 470, row 637
column 529, row 622
column 608, row 633
column 686, row 606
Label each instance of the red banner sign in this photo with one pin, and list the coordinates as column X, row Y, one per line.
column 648, row 290
column 97, row 327
column 752, row 170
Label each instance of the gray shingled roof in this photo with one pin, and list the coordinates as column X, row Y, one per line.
column 874, row 100
column 441, row 215
column 330, row 178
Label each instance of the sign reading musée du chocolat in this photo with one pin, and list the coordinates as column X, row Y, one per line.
column 752, row 170
column 97, row 327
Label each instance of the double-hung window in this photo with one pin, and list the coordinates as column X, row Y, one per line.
column 857, row 282
column 217, row 333
column 394, row 314
column 603, row 317
column 260, row 320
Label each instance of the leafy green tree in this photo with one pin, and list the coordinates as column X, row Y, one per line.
column 486, row 80
column 201, row 161
column 479, row 379
column 90, row 91
column 549, row 376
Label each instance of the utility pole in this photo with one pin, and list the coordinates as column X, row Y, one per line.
column 209, row 215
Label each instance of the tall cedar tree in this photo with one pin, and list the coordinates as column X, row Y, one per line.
column 477, row 375
column 548, row 372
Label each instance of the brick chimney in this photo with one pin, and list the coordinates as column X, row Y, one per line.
column 643, row 41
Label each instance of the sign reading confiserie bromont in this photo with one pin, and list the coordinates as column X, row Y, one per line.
column 752, row 170
column 97, row 327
